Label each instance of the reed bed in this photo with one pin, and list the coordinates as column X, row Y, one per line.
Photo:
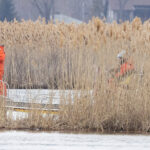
column 79, row 57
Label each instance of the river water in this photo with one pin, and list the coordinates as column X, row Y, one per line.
column 18, row 140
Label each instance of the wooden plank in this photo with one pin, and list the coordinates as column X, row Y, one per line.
column 29, row 110
column 37, row 110
column 32, row 105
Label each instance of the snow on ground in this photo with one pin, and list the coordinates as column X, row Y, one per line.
column 14, row 140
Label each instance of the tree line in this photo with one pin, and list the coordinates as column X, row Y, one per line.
column 46, row 9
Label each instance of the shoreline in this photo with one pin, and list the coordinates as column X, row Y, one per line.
column 36, row 130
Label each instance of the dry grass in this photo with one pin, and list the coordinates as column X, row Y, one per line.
column 60, row 56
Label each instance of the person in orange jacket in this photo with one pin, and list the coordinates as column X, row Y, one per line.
column 2, row 60
column 124, row 69
column 125, row 66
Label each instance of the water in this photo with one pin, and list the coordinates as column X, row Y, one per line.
column 15, row 140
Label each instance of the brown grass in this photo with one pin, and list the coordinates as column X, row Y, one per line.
column 60, row 56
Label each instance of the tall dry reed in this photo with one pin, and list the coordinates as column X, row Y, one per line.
column 78, row 57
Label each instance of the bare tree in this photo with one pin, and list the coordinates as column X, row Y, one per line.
column 79, row 9
column 83, row 9
column 45, row 8
column 106, row 4
column 100, row 8
column 122, row 4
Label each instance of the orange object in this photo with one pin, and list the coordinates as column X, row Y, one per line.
column 125, row 68
column 2, row 60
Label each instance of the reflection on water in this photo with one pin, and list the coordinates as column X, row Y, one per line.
column 14, row 140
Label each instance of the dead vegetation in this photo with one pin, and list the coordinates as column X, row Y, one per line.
column 78, row 57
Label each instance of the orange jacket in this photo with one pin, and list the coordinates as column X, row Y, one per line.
column 124, row 69
column 2, row 59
